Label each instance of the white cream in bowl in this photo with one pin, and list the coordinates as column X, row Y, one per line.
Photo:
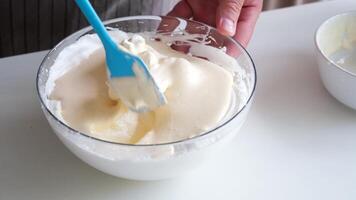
column 198, row 91
column 336, row 45
column 111, row 147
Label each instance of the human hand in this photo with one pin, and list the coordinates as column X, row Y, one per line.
column 235, row 18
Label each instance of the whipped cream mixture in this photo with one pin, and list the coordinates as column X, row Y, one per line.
column 340, row 42
column 139, row 92
column 198, row 92
column 346, row 57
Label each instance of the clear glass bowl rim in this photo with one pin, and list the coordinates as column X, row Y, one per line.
column 152, row 17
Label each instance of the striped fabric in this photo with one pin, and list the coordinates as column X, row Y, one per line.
column 272, row 4
column 34, row 25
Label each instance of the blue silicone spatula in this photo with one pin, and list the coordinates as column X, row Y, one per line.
column 129, row 77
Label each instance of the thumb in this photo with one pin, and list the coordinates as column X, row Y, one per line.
column 227, row 15
column 181, row 9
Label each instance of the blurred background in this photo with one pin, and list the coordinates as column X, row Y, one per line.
column 34, row 25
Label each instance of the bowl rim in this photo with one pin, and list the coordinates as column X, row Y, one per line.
column 316, row 36
column 85, row 29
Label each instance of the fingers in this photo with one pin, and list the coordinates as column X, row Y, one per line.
column 167, row 25
column 182, row 9
column 235, row 18
column 247, row 21
column 227, row 14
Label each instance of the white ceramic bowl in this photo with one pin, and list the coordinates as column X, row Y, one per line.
column 156, row 161
column 330, row 36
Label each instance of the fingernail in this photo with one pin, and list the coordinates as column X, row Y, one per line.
column 228, row 25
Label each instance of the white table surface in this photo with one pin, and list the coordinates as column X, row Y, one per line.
column 298, row 141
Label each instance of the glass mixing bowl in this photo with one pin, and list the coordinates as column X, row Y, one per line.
column 165, row 160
